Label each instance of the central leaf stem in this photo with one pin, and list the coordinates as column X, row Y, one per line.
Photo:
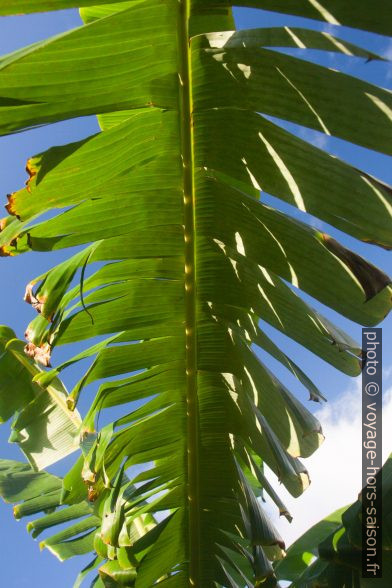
column 193, row 507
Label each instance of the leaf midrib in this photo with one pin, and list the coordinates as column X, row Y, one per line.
column 186, row 124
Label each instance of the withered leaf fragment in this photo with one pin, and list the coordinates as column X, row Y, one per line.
column 39, row 354
column 32, row 170
column 30, row 298
column 372, row 279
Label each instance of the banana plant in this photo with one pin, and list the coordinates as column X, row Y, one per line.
column 179, row 265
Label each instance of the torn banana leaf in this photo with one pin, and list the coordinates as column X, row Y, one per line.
column 43, row 427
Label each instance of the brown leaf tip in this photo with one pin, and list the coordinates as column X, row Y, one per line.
column 371, row 279
column 71, row 403
column 11, row 206
column 92, row 494
column 30, row 298
column 32, row 171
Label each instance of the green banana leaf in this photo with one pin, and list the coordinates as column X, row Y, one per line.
column 180, row 264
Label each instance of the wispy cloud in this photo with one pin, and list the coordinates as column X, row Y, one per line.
column 329, row 28
column 387, row 53
column 387, row 373
column 317, row 139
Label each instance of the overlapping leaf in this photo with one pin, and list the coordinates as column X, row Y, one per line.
column 43, row 426
column 330, row 553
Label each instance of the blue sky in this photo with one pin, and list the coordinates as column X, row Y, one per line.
column 24, row 564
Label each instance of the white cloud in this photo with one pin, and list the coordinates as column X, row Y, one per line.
column 388, row 51
column 387, row 54
column 387, row 373
column 316, row 138
column 316, row 223
column 335, row 469
column 320, row 141
column 329, row 28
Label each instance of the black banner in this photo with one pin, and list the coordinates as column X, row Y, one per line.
column 372, row 453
